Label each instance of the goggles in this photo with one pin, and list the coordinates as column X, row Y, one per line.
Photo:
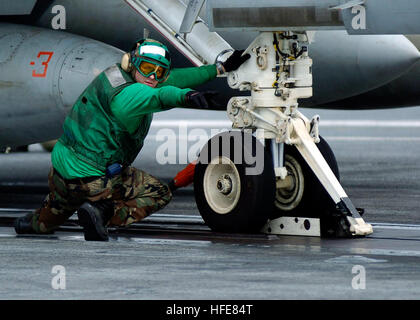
column 147, row 68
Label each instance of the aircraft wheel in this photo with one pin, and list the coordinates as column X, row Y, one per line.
column 229, row 198
column 302, row 194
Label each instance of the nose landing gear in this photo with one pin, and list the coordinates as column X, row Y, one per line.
column 300, row 176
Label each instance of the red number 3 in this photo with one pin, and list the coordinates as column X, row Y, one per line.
column 45, row 64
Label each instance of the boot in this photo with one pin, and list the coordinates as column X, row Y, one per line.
column 183, row 178
column 93, row 217
column 23, row 225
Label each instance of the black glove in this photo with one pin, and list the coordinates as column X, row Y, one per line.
column 235, row 60
column 201, row 100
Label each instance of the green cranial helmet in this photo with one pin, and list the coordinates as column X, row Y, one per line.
column 154, row 52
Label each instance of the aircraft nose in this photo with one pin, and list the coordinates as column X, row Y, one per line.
column 357, row 64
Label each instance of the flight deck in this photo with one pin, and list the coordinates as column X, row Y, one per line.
column 173, row 255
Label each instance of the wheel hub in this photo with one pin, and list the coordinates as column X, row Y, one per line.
column 290, row 190
column 224, row 184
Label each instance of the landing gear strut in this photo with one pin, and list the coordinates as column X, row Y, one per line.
column 301, row 164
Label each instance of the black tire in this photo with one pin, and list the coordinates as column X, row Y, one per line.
column 256, row 196
column 308, row 198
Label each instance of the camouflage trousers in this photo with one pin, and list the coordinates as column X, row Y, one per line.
column 135, row 193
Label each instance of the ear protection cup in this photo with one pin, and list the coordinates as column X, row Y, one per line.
column 126, row 64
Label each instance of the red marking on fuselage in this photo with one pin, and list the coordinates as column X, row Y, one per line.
column 45, row 64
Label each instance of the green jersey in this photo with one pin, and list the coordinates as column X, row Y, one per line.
column 132, row 107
